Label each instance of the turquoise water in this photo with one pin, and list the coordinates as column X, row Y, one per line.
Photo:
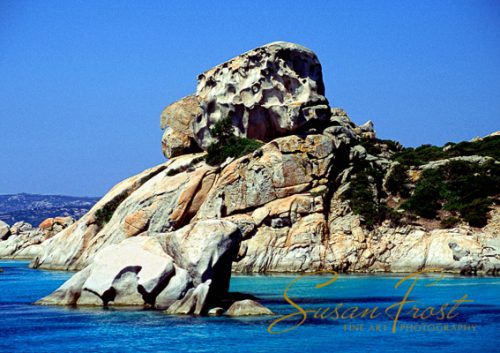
column 29, row 328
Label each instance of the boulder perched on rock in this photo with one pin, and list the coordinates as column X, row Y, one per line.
column 247, row 307
column 52, row 226
column 270, row 91
column 177, row 120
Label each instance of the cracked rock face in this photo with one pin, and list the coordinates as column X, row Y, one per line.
column 176, row 120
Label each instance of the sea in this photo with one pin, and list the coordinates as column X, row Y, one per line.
column 314, row 313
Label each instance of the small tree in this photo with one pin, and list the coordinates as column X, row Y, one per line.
column 223, row 131
column 228, row 144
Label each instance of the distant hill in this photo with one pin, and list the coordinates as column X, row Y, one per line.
column 34, row 208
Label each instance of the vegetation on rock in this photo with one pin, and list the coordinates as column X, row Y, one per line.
column 365, row 196
column 464, row 189
column 456, row 191
column 228, row 144
column 398, row 181
column 103, row 215
column 488, row 146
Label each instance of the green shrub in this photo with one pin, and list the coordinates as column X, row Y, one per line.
column 373, row 146
column 362, row 199
column 104, row 214
column 476, row 212
column 449, row 222
column 425, row 200
column 420, row 155
column 488, row 146
column 398, row 180
column 466, row 188
column 227, row 144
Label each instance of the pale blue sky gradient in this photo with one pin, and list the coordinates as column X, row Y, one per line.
column 82, row 83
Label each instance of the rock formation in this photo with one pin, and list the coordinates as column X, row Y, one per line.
column 4, row 230
column 268, row 92
column 170, row 236
column 247, row 307
column 21, row 241
column 184, row 271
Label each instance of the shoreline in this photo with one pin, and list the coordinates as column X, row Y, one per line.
column 437, row 272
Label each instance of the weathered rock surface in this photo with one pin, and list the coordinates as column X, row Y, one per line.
column 68, row 250
column 177, row 120
column 248, row 307
column 284, row 199
column 169, row 237
column 140, row 272
column 4, row 230
column 21, row 241
column 270, row 91
column 52, row 226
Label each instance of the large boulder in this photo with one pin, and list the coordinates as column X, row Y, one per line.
column 140, row 271
column 4, row 230
column 206, row 249
column 176, row 120
column 270, row 91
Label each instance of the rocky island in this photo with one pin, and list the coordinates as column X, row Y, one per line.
column 263, row 175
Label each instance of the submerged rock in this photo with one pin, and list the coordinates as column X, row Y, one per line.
column 217, row 311
column 247, row 307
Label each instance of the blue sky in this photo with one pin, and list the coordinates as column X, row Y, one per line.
column 83, row 82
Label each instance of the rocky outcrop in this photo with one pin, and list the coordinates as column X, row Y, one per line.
column 65, row 249
column 52, row 226
column 183, row 271
column 270, row 91
column 170, row 236
column 22, row 241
